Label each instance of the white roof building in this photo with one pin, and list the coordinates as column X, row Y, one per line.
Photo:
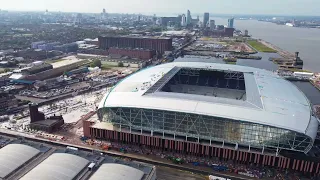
column 270, row 100
column 112, row 171
column 58, row 166
column 13, row 156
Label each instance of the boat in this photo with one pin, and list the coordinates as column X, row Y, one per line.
column 290, row 24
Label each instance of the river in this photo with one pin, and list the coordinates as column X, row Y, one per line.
column 304, row 40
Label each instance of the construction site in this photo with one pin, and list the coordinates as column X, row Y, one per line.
column 210, row 46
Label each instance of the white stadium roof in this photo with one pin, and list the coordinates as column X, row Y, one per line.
column 12, row 156
column 111, row 171
column 270, row 100
column 58, row 166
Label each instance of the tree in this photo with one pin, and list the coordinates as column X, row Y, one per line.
column 120, row 64
column 96, row 63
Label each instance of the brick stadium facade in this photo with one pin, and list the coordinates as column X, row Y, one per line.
column 307, row 165
column 143, row 54
column 152, row 43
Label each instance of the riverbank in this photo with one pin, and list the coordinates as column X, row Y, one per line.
column 281, row 52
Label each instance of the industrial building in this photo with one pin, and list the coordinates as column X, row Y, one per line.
column 36, row 68
column 158, row 44
column 138, row 53
column 58, row 69
column 117, row 171
column 35, row 45
column 38, row 121
column 44, row 71
column 48, row 46
column 58, row 166
column 67, row 48
column 14, row 156
column 111, row 169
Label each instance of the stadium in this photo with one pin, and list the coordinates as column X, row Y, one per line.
column 182, row 105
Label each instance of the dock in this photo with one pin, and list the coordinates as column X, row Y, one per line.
column 288, row 60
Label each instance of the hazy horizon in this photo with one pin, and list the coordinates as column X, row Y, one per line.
column 228, row 7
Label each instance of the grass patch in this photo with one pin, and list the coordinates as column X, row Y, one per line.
column 231, row 62
column 4, row 70
column 106, row 67
column 260, row 47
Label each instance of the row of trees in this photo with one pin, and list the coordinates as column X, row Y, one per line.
column 97, row 63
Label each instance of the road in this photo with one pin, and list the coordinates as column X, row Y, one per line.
column 164, row 173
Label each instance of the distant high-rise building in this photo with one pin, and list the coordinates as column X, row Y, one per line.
column 183, row 20
column 189, row 18
column 78, row 18
column 212, row 24
column 154, row 19
column 230, row 22
column 104, row 13
column 205, row 19
column 246, row 32
column 220, row 27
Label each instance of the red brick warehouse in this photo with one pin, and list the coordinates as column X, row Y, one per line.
column 159, row 44
column 143, row 54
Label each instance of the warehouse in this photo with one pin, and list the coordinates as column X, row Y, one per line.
column 159, row 44
column 13, row 156
column 58, row 166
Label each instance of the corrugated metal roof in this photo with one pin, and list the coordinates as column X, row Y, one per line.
column 58, row 166
column 111, row 171
column 273, row 100
column 12, row 156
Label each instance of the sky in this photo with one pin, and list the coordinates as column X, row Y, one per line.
column 265, row 7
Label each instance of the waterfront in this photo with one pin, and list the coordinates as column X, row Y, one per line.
column 292, row 39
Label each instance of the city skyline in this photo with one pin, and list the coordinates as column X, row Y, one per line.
column 166, row 7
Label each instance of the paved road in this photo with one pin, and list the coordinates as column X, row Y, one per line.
column 164, row 173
